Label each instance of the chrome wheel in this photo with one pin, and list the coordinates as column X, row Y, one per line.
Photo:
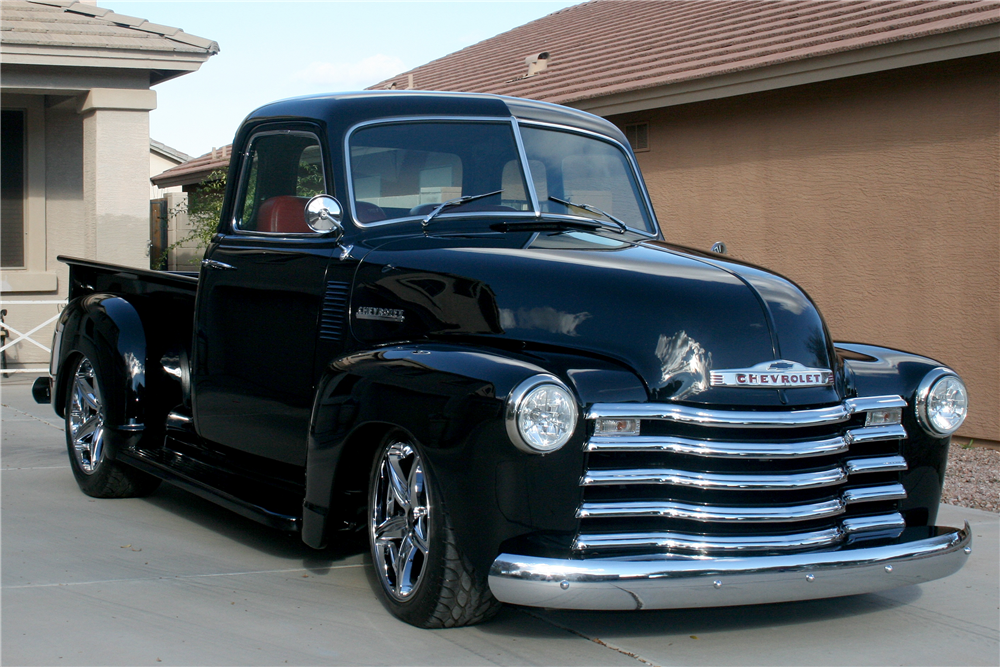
column 86, row 419
column 399, row 524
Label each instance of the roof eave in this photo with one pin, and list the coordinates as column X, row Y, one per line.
column 176, row 62
column 974, row 41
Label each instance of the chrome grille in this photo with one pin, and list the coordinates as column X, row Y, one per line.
column 716, row 481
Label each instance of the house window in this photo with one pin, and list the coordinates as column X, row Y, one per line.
column 12, row 185
column 638, row 136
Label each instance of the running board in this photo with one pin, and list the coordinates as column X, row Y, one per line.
column 182, row 468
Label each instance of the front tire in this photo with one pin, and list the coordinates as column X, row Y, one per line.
column 423, row 578
column 92, row 443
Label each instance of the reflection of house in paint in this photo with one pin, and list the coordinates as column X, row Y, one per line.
column 851, row 146
column 76, row 151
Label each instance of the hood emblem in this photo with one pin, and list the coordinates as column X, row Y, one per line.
column 779, row 374
column 380, row 314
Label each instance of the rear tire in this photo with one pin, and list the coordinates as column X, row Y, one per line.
column 423, row 577
column 92, row 444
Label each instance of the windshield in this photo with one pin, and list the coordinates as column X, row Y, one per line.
column 582, row 170
column 408, row 169
column 403, row 170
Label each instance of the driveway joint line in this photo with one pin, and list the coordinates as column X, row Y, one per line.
column 175, row 576
column 28, row 414
column 599, row 642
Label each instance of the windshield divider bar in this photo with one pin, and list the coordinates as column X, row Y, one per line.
column 529, row 181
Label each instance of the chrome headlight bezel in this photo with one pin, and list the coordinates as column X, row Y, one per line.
column 924, row 407
column 515, row 415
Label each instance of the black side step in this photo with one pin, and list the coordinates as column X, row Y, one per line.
column 273, row 503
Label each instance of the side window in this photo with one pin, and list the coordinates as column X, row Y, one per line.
column 281, row 172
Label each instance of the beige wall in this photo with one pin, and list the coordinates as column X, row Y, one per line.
column 87, row 196
column 877, row 194
column 157, row 165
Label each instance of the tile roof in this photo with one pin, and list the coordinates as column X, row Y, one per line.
column 66, row 23
column 606, row 47
column 195, row 170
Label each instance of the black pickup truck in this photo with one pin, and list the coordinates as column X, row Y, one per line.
column 451, row 323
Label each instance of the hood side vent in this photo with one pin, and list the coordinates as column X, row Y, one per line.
column 334, row 313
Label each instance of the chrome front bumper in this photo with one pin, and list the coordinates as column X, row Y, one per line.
column 671, row 582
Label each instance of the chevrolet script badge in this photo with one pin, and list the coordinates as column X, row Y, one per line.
column 773, row 375
column 380, row 314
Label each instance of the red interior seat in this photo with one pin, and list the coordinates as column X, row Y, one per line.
column 283, row 214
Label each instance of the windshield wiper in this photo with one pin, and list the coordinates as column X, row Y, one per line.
column 455, row 202
column 550, row 224
column 621, row 226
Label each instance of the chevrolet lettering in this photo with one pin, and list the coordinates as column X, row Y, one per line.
column 380, row 314
column 773, row 375
column 452, row 327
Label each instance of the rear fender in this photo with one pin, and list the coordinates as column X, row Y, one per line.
column 109, row 331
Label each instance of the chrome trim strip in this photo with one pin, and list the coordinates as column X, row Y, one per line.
column 741, row 419
column 711, row 513
column 868, row 494
column 873, row 433
column 671, row 582
column 526, row 168
column 717, row 449
column 893, row 521
column 876, row 464
column 703, row 543
column 722, row 481
column 866, row 403
column 721, row 418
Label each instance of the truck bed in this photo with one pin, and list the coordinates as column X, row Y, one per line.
column 88, row 276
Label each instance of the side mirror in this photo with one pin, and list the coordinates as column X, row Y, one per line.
column 324, row 214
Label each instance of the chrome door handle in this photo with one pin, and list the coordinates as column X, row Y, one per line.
column 212, row 264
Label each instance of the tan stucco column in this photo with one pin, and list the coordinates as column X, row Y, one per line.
column 116, row 174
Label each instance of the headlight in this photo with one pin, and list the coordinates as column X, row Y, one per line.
column 540, row 415
column 942, row 402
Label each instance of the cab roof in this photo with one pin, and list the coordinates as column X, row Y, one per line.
column 341, row 111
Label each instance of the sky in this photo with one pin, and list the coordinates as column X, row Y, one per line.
column 274, row 50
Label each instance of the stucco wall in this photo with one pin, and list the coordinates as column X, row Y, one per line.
column 877, row 194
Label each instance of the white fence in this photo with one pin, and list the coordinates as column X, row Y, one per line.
column 14, row 337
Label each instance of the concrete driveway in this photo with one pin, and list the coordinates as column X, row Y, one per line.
column 174, row 580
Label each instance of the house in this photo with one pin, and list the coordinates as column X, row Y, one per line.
column 161, row 158
column 182, row 184
column 76, row 96
column 852, row 146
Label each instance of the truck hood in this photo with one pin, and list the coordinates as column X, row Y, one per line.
column 671, row 316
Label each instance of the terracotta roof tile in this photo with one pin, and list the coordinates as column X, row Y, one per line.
column 195, row 170
column 609, row 46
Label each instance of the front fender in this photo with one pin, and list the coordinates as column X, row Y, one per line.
column 450, row 399
column 107, row 328
column 880, row 371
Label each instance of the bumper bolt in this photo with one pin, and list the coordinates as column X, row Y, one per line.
column 967, row 550
column 717, row 583
column 564, row 585
column 810, row 578
column 888, row 568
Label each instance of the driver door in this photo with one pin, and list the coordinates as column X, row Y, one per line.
column 259, row 304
